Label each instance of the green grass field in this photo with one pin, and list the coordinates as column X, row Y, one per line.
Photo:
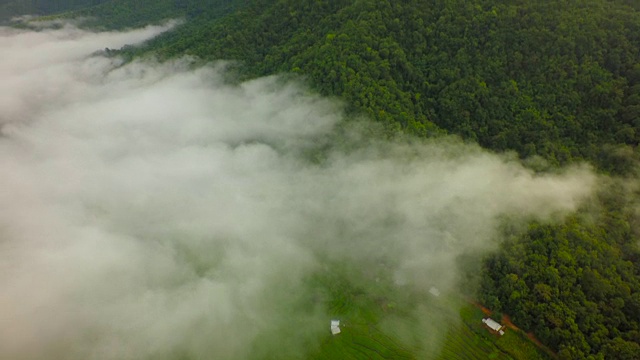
column 519, row 347
column 384, row 323
column 463, row 343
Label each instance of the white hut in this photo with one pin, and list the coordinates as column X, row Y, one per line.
column 494, row 325
column 335, row 327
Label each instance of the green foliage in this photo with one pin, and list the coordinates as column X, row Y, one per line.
column 134, row 13
column 519, row 347
column 558, row 79
column 555, row 78
column 575, row 284
column 464, row 343
column 11, row 8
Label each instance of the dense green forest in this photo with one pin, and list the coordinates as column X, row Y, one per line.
column 575, row 285
column 556, row 79
column 552, row 80
column 132, row 13
column 11, row 8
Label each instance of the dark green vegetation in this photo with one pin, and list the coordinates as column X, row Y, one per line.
column 555, row 78
column 559, row 80
column 576, row 284
column 512, row 345
column 469, row 339
column 378, row 323
column 11, row 8
column 132, row 13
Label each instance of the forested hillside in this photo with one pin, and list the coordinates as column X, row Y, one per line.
column 131, row 13
column 554, row 80
column 11, row 8
column 575, row 285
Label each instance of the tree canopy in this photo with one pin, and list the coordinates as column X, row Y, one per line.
column 556, row 79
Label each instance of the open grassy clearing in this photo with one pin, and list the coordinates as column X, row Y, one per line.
column 463, row 343
column 519, row 347
column 513, row 344
column 382, row 321
column 467, row 338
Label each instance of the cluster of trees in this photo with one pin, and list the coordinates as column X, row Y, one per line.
column 12, row 8
column 557, row 79
column 134, row 13
column 576, row 285
column 117, row 14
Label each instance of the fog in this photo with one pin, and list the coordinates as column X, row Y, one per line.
column 151, row 210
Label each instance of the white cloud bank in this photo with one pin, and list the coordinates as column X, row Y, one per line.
column 151, row 211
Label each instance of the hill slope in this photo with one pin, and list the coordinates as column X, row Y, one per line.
column 11, row 8
column 557, row 79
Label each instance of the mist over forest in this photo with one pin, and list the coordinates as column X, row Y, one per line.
column 220, row 203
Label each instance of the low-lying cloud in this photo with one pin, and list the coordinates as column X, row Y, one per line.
column 154, row 211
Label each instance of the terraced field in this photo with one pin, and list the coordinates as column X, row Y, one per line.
column 369, row 342
column 380, row 330
column 380, row 320
column 464, row 344
column 363, row 342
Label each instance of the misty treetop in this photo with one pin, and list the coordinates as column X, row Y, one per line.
column 12, row 8
column 554, row 78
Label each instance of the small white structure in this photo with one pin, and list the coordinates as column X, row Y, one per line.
column 434, row 291
column 335, row 327
column 494, row 325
